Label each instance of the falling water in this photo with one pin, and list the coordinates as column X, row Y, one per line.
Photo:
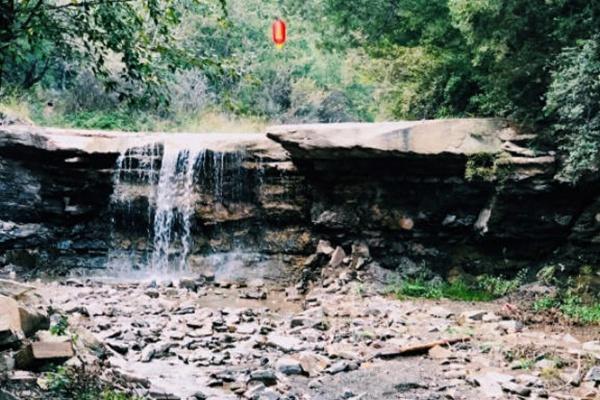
column 174, row 199
column 157, row 190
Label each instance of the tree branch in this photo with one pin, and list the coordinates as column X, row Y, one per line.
column 86, row 4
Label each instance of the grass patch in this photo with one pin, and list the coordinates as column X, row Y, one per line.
column 572, row 307
column 484, row 288
column 457, row 290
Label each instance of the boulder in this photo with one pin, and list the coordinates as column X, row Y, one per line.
column 21, row 319
column 312, row 363
column 337, row 257
column 289, row 366
column 593, row 375
column 284, row 343
column 38, row 354
column 8, row 336
column 324, row 247
column 265, row 376
column 14, row 289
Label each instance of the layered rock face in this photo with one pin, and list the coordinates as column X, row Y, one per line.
column 466, row 193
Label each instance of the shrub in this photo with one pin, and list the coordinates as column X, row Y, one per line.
column 573, row 102
column 571, row 306
column 499, row 286
column 78, row 384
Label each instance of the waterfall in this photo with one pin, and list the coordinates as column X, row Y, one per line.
column 174, row 198
column 158, row 186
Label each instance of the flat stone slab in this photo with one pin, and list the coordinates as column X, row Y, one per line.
column 84, row 141
column 373, row 140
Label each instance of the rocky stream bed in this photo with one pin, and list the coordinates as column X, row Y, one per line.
column 274, row 253
column 338, row 337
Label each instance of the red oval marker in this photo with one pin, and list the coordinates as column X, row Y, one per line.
column 279, row 33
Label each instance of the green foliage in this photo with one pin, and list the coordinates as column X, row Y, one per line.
column 577, row 297
column 533, row 61
column 574, row 103
column 536, row 62
column 485, row 288
column 457, row 290
column 125, row 41
column 60, row 327
column 571, row 306
column 77, row 384
column 121, row 120
column 498, row 286
column 481, row 167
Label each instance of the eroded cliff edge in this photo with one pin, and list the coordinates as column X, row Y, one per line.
column 469, row 193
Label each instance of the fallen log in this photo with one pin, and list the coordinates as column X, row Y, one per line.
column 418, row 349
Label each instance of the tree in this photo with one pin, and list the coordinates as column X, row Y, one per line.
column 574, row 105
column 504, row 58
column 36, row 34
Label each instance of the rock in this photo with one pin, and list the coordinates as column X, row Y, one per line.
column 289, row 366
column 199, row 396
column 247, row 328
column 152, row 293
column 22, row 376
column 283, row 343
column 593, row 375
column 545, row 364
column 341, row 366
column 314, row 261
column 490, row 383
column 159, row 393
column 440, row 312
column 184, row 309
column 254, row 294
column 14, row 289
column 324, row 247
column 41, row 353
column 8, row 336
column 118, row 346
column 47, row 336
column 254, row 389
column 7, row 362
column 158, row 350
column 439, row 353
column 491, row 317
column 424, row 138
column 312, row 363
column 337, row 257
column 268, row 394
column 515, row 388
column 22, row 319
column 190, row 284
column 311, row 318
column 592, row 347
column 511, row 326
column 471, row 317
column 360, row 249
column 410, row 269
column 265, row 376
